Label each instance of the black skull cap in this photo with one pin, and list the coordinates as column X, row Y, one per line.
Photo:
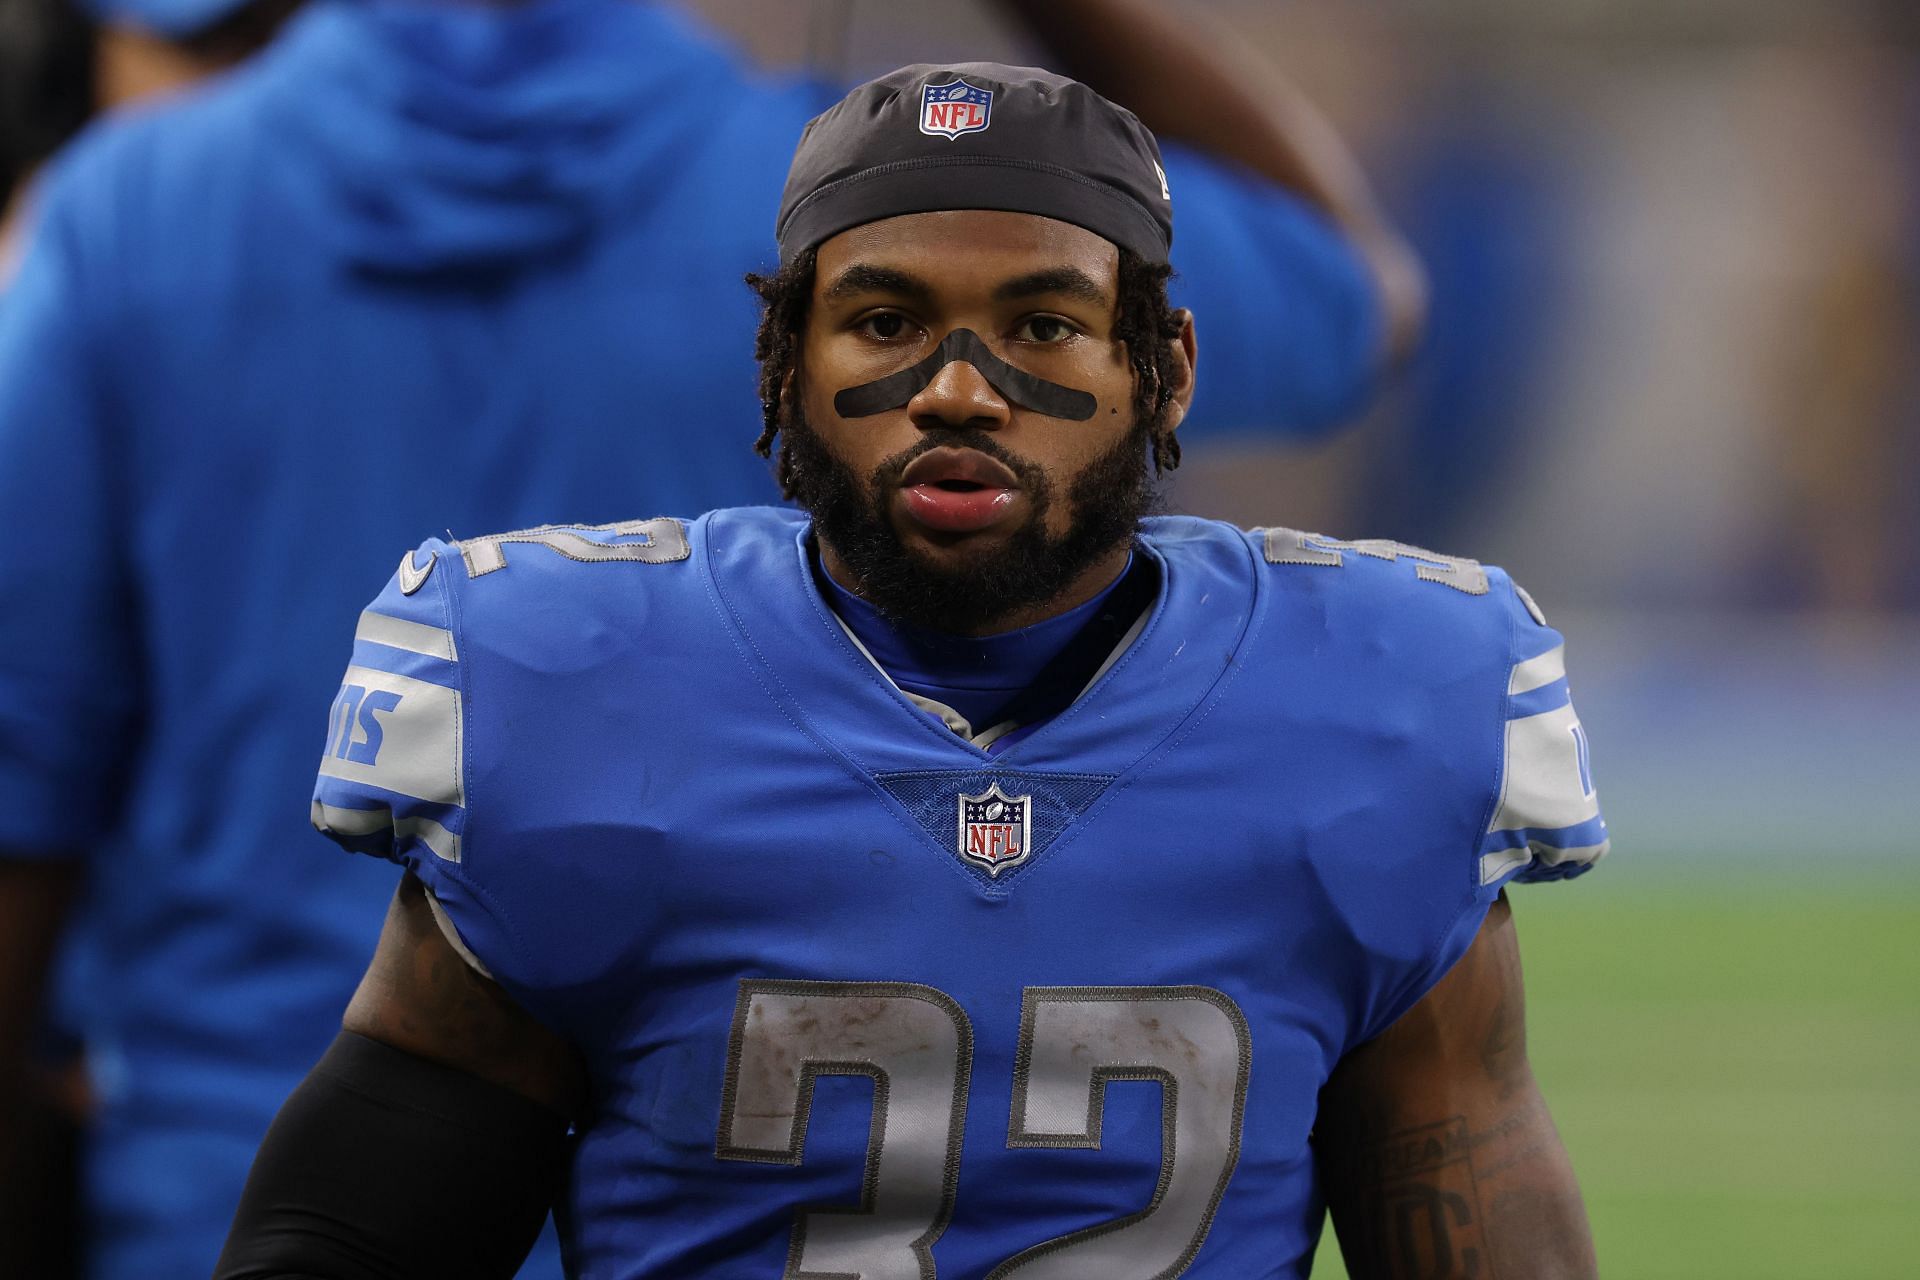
column 977, row 135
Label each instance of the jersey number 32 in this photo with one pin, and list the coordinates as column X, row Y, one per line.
column 916, row 1044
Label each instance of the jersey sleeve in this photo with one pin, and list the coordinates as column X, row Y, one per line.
column 1546, row 823
column 1290, row 322
column 68, row 688
column 393, row 777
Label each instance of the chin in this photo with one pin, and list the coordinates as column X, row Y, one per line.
column 945, row 553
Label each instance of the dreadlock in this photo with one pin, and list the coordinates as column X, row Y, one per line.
column 1147, row 324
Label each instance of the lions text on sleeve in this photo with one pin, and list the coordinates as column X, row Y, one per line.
column 390, row 768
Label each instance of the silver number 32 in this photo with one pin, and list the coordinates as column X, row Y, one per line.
column 916, row 1044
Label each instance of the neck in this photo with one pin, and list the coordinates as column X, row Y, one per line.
column 1090, row 582
column 996, row 689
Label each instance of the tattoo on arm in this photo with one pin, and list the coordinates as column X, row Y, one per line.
column 1439, row 1156
column 1420, row 1208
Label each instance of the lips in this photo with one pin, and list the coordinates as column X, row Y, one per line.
column 958, row 490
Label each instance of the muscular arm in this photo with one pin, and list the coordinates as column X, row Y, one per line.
column 430, row 1140
column 1188, row 82
column 1439, row 1156
column 421, row 997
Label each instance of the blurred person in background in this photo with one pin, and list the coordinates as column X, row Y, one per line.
column 63, row 60
column 148, row 47
column 46, row 95
column 1479, row 185
column 408, row 264
column 59, row 65
column 1844, row 536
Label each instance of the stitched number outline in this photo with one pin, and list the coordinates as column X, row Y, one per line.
column 1291, row 546
column 1073, row 1040
column 665, row 541
column 916, row 1044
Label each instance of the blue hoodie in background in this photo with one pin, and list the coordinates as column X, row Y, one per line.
column 413, row 269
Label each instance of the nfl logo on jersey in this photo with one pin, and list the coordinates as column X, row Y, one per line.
column 954, row 108
column 996, row 829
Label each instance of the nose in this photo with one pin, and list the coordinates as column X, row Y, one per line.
column 958, row 396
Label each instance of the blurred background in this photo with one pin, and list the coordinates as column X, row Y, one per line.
column 1672, row 382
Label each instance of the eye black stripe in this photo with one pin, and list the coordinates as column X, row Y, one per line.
column 1024, row 389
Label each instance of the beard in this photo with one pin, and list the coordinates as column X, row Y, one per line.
column 1105, row 503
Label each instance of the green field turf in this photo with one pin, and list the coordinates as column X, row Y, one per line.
column 1734, row 1062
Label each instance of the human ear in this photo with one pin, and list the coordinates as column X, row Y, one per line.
column 790, row 389
column 1185, row 357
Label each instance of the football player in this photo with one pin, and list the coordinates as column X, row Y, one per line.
column 969, row 875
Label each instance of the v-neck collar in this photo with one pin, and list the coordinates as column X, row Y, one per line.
column 985, row 737
column 1032, row 673
column 762, row 578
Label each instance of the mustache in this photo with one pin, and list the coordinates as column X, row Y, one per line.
column 1024, row 389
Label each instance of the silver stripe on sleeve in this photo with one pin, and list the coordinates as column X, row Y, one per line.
column 350, row 822
column 1500, row 861
column 1537, row 673
column 445, row 844
column 418, row 749
column 1542, row 786
column 1585, row 853
column 399, row 633
column 365, row 822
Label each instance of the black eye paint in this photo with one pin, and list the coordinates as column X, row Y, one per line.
column 1024, row 389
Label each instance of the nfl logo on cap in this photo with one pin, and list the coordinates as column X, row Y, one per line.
column 951, row 109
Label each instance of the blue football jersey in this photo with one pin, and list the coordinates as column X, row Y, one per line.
column 858, row 998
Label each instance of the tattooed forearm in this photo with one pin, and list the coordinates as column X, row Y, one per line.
column 1416, row 1211
column 1439, row 1158
column 1487, row 1193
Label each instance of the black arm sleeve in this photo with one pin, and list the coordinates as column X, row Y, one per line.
column 385, row 1166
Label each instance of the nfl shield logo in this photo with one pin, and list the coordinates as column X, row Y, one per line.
column 996, row 829
column 954, row 108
